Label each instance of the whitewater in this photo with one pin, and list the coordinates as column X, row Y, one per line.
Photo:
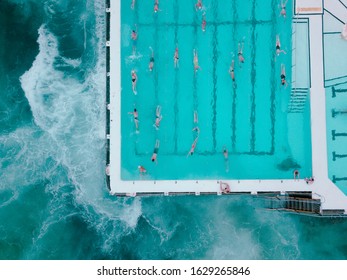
column 54, row 202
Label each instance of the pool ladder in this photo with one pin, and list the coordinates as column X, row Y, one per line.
column 297, row 101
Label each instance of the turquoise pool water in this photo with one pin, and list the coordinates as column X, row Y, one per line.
column 250, row 118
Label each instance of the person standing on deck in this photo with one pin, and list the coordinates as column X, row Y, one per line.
column 176, row 58
column 155, row 152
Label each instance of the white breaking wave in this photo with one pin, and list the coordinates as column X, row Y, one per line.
column 71, row 113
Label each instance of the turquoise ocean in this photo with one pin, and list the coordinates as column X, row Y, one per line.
column 54, row 202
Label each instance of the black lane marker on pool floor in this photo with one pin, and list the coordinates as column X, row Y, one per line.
column 273, row 80
column 176, row 86
column 210, row 23
column 136, row 21
column 195, row 94
column 253, row 77
column 214, row 77
column 233, row 116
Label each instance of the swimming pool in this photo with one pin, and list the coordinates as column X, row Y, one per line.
column 254, row 118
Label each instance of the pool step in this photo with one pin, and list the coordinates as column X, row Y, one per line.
column 297, row 204
column 298, row 99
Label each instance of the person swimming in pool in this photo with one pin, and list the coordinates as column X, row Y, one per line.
column 203, row 23
column 196, row 117
column 198, row 5
column 158, row 117
column 296, row 175
column 226, row 159
column 283, row 12
column 151, row 60
column 196, row 61
column 176, row 58
column 134, row 38
column 141, row 169
column 196, row 120
column 225, row 153
column 134, row 81
column 231, row 70
column 136, row 119
column 283, row 75
column 240, row 53
column 278, row 46
column 155, row 152
column 133, row 2
column 156, row 6
column 192, row 149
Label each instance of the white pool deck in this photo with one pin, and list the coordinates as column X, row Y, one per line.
column 323, row 188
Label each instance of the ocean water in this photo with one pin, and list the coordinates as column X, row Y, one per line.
column 54, row 202
column 249, row 117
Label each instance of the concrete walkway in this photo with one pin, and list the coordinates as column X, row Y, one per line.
column 332, row 197
column 336, row 8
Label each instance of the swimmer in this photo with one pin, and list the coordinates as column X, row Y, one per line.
column 296, row 175
column 176, row 58
column 278, row 46
column 226, row 159
column 225, row 153
column 133, row 2
column 151, row 60
column 240, row 53
column 136, row 119
column 197, row 129
column 196, row 61
column 283, row 75
column 231, row 70
column 134, row 38
column 155, row 152
column 158, row 117
column 141, row 169
column 198, row 5
column 196, row 118
column 203, row 23
column 156, row 6
column 134, row 81
column 283, row 8
column 192, row 149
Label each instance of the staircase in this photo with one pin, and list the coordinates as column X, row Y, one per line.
column 297, row 204
column 297, row 101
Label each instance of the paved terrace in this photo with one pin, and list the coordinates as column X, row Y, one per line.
column 322, row 188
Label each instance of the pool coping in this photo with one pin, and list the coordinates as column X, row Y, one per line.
column 323, row 188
